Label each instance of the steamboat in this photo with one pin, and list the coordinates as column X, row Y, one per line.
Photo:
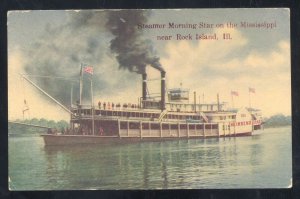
column 171, row 116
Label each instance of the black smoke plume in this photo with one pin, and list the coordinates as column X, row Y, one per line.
column 60, row 49
column 91, row 37
column 133, row 52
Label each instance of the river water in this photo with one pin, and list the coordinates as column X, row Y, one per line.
column 260, row 161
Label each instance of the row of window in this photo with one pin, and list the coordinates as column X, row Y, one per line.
column 139, row 114
column 156, row 126
column 241, row 123
column 226, row 127
column 221, row 117
column 192, row 107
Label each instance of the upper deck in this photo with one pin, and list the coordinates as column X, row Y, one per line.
column 175, row 112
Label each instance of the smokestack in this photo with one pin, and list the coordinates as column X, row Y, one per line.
column 144, row 91
column 163, row 89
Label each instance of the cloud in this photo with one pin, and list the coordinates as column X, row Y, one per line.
column 60, row 50
column 213, row 67
column 208, row 67
column 195, row 64
column 276, row 60
column 19, row 90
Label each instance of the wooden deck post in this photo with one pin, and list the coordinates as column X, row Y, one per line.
column 234, row 128
column 141, row 130
column 149, row 129
column 160, row 124
column 178, row 129
column 119, row 129
column 127, row 128
column 188, row 129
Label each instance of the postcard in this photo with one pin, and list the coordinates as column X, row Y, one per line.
column 149, row 99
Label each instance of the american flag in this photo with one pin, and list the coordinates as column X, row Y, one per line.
column 251, row 90
column 88, row 69
column 234, row 93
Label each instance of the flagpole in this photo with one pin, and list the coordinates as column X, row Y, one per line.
column 71, row 95
column 80, row 85
column 92, row 105
column 249, row 99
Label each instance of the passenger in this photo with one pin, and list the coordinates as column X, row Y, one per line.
column 113, row 106
column 104, row 105
column 108, row 105
column 99, row 105
column 49, row 131
column 100, row 131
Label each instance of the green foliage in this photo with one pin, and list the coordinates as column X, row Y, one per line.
column 21, row 129
column 278, row 120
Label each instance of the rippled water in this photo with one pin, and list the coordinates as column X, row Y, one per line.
column 261, row 161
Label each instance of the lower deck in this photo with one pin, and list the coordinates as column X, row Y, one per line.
column 129, row 131
column 151, row 129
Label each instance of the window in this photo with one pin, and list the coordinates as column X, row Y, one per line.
column 134, row 125
column 214, row 126
column 198, row 126
column 207, row 126
column 145, row 126
column 192, row 126
column 155, row 126
column 183, row 126
column 123, row 125
column 165, row 126
column 174, row 126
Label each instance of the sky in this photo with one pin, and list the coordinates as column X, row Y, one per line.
column 55, row 43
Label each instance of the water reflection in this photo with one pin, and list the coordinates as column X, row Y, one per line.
column 148, row 165
column 242, row 162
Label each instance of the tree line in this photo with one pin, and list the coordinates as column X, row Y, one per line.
column 277, row 121
column 17, row 128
